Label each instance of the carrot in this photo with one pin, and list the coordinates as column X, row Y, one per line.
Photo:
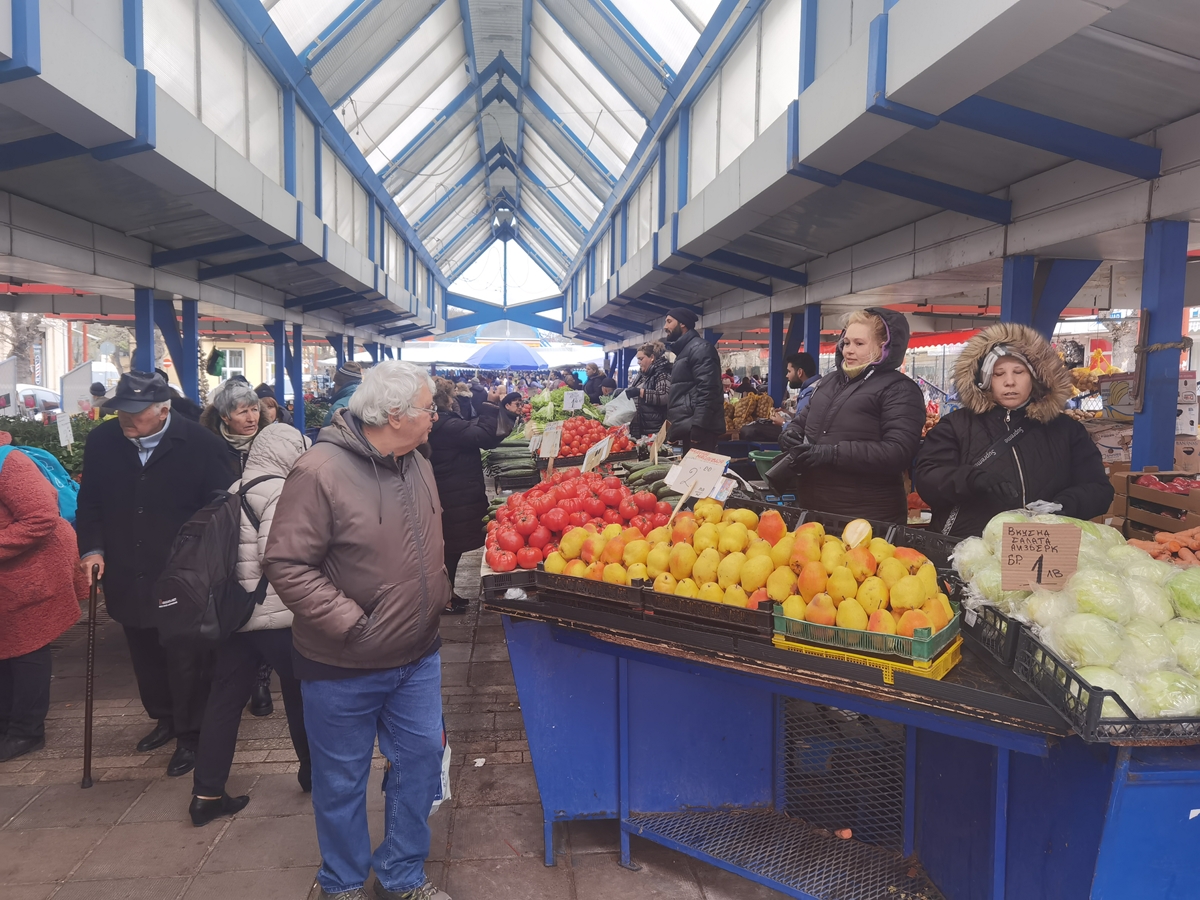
column 1188, row 557
column 1155, row 550
column 1175, row 546
column 1164, row 536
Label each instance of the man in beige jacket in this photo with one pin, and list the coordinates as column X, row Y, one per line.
column 356, row 554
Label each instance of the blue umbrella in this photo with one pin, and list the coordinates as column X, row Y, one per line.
column 506, row 355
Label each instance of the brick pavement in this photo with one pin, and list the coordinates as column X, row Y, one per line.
column 129, row 836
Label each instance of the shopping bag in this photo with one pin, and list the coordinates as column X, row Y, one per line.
column 443, row 791
column 619, row 410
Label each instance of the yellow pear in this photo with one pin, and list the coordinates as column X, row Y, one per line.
column 833, row 554
column 811, row 581
column 891, row 570
column 755, row 572
column 752, row 534
column 851, row 615
column 706, row 536
column 793, row 607
column 735, row 596
column 614, row 573
column 665, row 583
column 730, row 570
column 928, row 575
column 611, row 531
column 820, row 610
column 872, row 594
column 907, row 593
column 637, row 572
column 882, row 621
column 758, row 548
column 682, row 558
column 687, row 588
column 747, row 517
column 936, row 613
column 841, row 585
column 881, row 549
column 636, row 552
column 572, row 542
column 781, row 583
column 705, row 568
column 781, row 553
column 734, row 539
column 816, row 529
column 658, row 560
column 555, row 563
column 832, row 539
column 659, row 535
column 857, row 533
column 708, row 510
column 711, row 592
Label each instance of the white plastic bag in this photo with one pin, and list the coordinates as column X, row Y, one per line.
column 619, row 410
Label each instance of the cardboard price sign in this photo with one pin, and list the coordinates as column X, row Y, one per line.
column 597, row 454
column 1038, row 556
column 573, row 400
column 551, row 441
column 700, row 471
column 66, row 436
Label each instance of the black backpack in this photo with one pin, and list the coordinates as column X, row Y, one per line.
column 199, row 601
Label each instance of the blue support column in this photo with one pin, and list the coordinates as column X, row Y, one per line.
column 795, row 335
column 188, row 366
column 279, row 337
column 296, row 375
column 372, row 347
column 337, row 342
column 349, row 348
column 776, row 379
column 712, row 336
column 1016, row 293
column 812, row 332
column 143, row 329
column 1056, row 282
column 1163, row 274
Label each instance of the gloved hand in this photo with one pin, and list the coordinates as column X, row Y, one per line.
column 633, row 393
column 809, row 456
column 790, row 439
column 993, row 480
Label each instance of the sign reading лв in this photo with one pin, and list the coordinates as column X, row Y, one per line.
column 1035, row 555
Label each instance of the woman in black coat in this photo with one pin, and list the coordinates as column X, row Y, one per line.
column 853, row 441
column 1010, row 444
column 454, row 445
column 651, row 389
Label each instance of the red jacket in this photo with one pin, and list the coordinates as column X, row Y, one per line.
column 40, row 580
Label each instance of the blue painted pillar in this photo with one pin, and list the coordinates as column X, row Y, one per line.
column 296, row 375
column 1056, row 282
column 812, row 331
column 624, row 357
column 775, row 362
column 143, row 329
column 188, row 366
column 349, row 348
column 1016, row 293
column 1163, row 273
column 389, row 351
column 795, row 335
column 279, row 337
column 712, row 336
column 372, row 347
column 337, row 342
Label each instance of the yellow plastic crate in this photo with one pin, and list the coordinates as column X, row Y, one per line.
column 936, row 668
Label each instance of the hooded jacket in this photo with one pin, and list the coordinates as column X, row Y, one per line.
column 355, row 552
column 1053, row 460
column 696, row 398
column 875, row 419
column 652, row 407
column 273, row 453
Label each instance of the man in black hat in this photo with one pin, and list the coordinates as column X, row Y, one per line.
column 145, row 473
column 696, row 402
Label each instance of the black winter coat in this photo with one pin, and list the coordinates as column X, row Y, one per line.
column 652, row 407
column 1054, row 461
column 133, row 513
column 697, row 399
column 458, row 470
column 875, row 420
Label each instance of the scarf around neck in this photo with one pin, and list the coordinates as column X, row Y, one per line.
column 239, row 442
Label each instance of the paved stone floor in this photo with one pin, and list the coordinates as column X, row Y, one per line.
column 129, row 837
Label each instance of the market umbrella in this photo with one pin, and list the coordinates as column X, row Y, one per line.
column 506, row 355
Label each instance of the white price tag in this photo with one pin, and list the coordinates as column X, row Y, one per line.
column 724, row 489
column 66, row 437
column 551, row 441
column 534, row 443
column 573, row 400
column 597, row 453
column 706, row 470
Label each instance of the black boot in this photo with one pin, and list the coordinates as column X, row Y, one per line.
column 204, row 811
column 304, row 776
column 458, row 606
column 12, row 747
column 260, row 701
column 162, row 733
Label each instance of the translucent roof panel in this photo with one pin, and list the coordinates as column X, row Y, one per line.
column 484, row 279
column 671, row 27
column 460, row 155
column 302, row 21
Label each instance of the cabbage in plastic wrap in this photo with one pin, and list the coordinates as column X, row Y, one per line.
column 1084, row 639
column 1185, row 639
column 1102, row 593
column 1184, row 589
column 1044, row 607
column 969, row 556
column 1169, row 693
column 994, row 530
column 1108, row 680
column 1150, row 600
column 1147, row 649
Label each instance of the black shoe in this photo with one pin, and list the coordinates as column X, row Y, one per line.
column 204, row 811
column 183, row 760
column 304, row 776
column 162, row 733
column 12, row 747
column 457, row 607
column 260, row 701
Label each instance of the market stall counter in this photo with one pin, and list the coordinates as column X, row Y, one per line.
column 825, row 777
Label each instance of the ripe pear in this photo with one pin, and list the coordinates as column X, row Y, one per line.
column 631, row 534
column 851, row 615
column 781, row 583
column 833, row 554
column 711, row 592
column 708, row 510
column 658, row 560
column 911, row 621
column 806, row 549
column 794, row 606
column 912, row 559
column 882, row 621
column 771, row 527
column 755, row 572
column 832, row 539
column 812, row 581
column 816, row 529
column 730, row 570
column 735, row 596
column 781, row 552
column 747, row 517
column 907, row 593
column 592, row 548
column 636, row 552
column 872, row 594
column 659, row 535
column 821, row 610
column 861, row 563
column 939, row 615
column 891, row 570
column 572, row 543
column 555, row 563
column 637, row 572
column 665, row 583
column 684, row 530
column 758, row 548
column 611, row 530
column 705, row 568
column 706, row 536
column 734, row 539
column 758, row 600
column 576, row 568
column 857, row 533
column 928, row 575
column 682, row 558
column 880, row 549
column 841, row 585
column 614, row 551
column 687, row 588
column 614, row 573
column 595, row 571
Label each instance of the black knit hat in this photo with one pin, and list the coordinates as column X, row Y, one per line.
column 683, row 316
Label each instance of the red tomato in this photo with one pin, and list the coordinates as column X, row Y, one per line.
column 612, row 481
column 529, row 557
column 662, row 506
column 508, row 539
column 540, row 537
column 659, row 519
column 611, row 515
column 645, row 501
column 598, row 524
column 642, row 524
column 611, row 496
column 525, row 522
column 514, row 500
column 505, row 561
column 503, row 514
column 570, row 505
column 548, row 549
column 579, row 518
column 555, row 519
column 492, row 526
column 490, row 556
column 593, row 505
column 542, row 503
column 628, row 508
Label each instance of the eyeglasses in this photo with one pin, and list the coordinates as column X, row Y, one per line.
column 432, row 410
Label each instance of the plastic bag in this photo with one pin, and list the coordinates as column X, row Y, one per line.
column 619, row 410
column 1084, row 639
column 1147, row 649
column 1170, row 694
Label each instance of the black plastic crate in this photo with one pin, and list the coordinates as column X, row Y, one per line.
column 936, row 547
column 629, row 597
column 992, row 631
column 567, row 462
column 494, row 586
column 520, row 482
column 1081, row 704
column 705, row 615
column 564, row 590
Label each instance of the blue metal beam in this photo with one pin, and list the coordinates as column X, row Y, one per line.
column 710, row 274
column 199, row 251
column 37, row 150
column 523, row 216
column 244, row 265
column 621, row 322
column 516, row 314
column 812, row 332
column 143, row 329
column 374, row 318
column 482, row 306
column 926, row 190
column 471, row 258
column 537, row 258
column 340, row 25
column 467, row 178
column 795, row 335
column 339, row 295
column 1062, row 280
column 1016, row 290
column 532, row 176
column 757, row 265
column 530, row 95
column 499, row 94
column 641, row 47
column 776, row 350
column 26, row 60
column 338, row 343
column 464, row 11
column 523, row 84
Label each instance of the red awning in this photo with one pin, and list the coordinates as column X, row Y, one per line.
column 941, row 339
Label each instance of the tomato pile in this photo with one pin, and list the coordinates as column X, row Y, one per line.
column 527, row 528
column 580, row 433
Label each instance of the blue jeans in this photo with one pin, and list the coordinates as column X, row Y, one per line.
column 404, row 708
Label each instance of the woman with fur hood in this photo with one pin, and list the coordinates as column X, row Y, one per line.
column 1010, row 444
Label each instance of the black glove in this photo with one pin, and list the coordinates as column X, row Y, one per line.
column 994, row 481
column 633, row 393
column 790, row 439
column 809, row 456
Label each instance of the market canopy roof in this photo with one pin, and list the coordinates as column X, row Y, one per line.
column 467, row 106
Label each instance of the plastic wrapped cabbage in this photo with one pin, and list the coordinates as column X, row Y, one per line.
column 1147, row 649
column 969, row 556
column 1102, row 593
column 1150, row 600
column 1012, row 602
column 1107, row 680
column 1169, row 694
column 1184, row 589
column 1185, row 639
column 1044, row 607
column 1146, row 568
column 994, row 529
column 1124, row 555
column 1085, row 639
column 987, row 581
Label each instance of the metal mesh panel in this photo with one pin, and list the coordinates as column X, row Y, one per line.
column 358, row 51
column 841, row 769
column 792, row 854
column 572, row 158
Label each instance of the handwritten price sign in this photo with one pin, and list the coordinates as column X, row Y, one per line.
column 705, row 470
column 1036, row 556
column 573, row 400
column 597, row 454
column 551, row 440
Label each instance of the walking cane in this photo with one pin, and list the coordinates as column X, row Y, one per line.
column 91, row 674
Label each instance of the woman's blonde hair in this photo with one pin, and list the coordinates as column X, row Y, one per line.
column 652, row 349
column 877, row 326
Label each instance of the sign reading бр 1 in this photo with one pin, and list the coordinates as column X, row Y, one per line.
column 1035, row 555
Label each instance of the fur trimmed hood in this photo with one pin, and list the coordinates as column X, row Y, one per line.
column 1052, row 382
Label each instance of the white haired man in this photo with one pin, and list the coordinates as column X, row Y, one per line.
column 356, row 553
column 145, row 473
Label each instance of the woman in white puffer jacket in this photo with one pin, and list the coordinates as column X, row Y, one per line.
column 266, row 637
